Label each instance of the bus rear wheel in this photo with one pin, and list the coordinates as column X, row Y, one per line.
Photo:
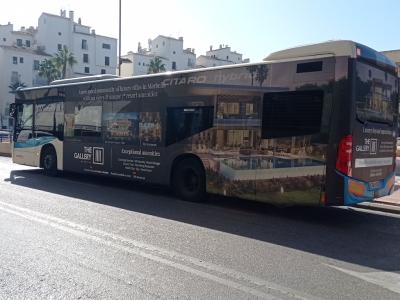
column 50, row 162
column 189, row 181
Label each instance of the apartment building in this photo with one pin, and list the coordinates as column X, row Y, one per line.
column 220, row 57
column 21, row 52
column 170, row 50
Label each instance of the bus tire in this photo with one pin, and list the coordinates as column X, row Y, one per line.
column 50, row 162
column 189, row 181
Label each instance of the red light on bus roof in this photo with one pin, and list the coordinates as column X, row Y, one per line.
column 358, row 51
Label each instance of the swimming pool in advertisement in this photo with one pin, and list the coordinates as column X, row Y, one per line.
column 253, row 163
column 250, row 168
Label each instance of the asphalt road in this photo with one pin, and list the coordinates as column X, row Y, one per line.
column 82, row 237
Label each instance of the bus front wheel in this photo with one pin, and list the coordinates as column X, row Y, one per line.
column 189, row 181
column 50, row 162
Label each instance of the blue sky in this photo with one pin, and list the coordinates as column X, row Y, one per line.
column 252, row 27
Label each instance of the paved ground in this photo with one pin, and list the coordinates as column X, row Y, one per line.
column 389, row 203
column 83, row 237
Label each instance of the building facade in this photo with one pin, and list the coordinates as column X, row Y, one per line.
column 96, row 54
column 169, row 50
column 220, row 57
column 21, row 52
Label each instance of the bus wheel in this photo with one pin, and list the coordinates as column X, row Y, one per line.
column 189, row 181
column 50, row 162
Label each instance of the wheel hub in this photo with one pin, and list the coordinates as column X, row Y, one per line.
column 48, row 161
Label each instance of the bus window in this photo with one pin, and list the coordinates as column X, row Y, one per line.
column 23, row 124
column 88, row 121
column 49, row 119
column 183, row 123
column 288, row 114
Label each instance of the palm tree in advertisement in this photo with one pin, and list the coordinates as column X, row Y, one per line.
column 252, row 70
column 155, row 66
column 15, row 85
column 48, row 69
column 64, row 58
column 262, row 73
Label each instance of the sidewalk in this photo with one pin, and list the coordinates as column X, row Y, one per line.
column 390, row 203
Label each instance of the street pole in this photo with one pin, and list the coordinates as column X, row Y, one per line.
column 119, row 57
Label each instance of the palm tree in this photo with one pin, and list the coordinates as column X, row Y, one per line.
column 262, row 73
column 63, row 58
column 48, row 69
column 252, row 70
column 15, row 85
column 155, row 66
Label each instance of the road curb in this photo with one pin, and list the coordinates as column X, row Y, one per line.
column 379, row 207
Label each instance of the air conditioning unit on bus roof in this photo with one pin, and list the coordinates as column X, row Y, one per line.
column 333, row 47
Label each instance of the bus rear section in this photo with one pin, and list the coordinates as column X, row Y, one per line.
column 366, row 156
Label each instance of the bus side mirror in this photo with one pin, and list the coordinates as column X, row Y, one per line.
column 13, row 110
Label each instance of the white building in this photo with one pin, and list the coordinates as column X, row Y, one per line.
column 19, row 62
column 96, row 54
column 21, row 52
column 170, row 51
column 220, row 57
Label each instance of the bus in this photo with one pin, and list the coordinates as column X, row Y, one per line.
column 310, row 125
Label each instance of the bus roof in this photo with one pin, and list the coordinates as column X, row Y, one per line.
column 336, row 47
column 83, row 79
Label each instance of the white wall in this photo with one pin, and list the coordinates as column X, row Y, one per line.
column 49, row 27
column 226, row 54
column 51, row 31
column 5, row 33
column 160, row 46
column 171, row 49
column 207, row 62
column 24, row 69
column 138, row 65
column 140, row 62
column 72, row 35
column 168, row 49
column 24, row 37
column 185, row 60
column 101, row 53
column 3, row 85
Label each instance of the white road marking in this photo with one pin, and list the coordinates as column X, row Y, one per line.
column 387, row 280
column 160, row 255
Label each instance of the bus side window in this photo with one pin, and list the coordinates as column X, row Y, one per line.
column 183, row 123
column 287, row 114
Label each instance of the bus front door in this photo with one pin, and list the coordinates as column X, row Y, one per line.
column 24, row 142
